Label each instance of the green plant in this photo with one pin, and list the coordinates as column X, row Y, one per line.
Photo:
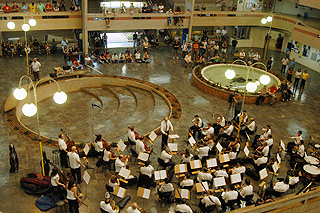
column 167, row 95
column 174, row 114
column 165, row 90
column 26, row 132
column 34, row 138
column 172, row 105
column 179, row 109
column 11, row 113
column 176, row 101
column 16, row 128
column 49, row 141
column 9, row 119
column 157, row 88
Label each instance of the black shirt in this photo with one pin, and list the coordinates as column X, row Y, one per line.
column 234, row 43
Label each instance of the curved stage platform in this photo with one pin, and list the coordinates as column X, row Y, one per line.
column 96, row 104
column 212, row 80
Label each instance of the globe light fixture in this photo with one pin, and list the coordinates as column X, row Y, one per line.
column 32, row 22
column 269, row 19
column 29, row 110
column 25, row 27
column 230, row 74
column 60, row 97
column 251, row 87
column 20, row 93
column 264, row 79
column 264, row 21
column 11, row 25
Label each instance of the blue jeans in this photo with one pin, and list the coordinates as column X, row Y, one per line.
column 233, row 50
column 169, row 21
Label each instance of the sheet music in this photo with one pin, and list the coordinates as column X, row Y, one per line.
column 196, row 164
column 173, row 147
column 278, row 158
column 86, row 149
column 175, row 136
column 153, row 136
column 86, row 177
column 205, row 186
column 124, row 173
column 212, row 162
column 275, row 167
column 163, row 174
column 157, row 175
column 263, row 173
column 146, row 193
column 143, row 156
column 184, row 193
column 246, row 151
column 192, row 141
column 226, row 157
column 220, row 181
column 219, row 147
column 121, row 192
column 121, row 145
column 182, row 168
column 283, row 145
column 236, row 178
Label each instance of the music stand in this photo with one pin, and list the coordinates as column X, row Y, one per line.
column 144, row 193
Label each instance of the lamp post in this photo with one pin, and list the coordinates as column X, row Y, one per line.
column 267, row 40
column 29, row 109
column 250, row 86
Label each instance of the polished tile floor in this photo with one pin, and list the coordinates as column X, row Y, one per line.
column 285, row 119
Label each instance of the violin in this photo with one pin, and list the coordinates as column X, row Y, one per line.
column 70, row 143
column 104, row 142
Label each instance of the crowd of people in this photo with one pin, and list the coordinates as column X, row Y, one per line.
column 40, row 7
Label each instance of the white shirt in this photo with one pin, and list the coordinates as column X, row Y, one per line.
column 35, row 66
column 98, row 146
column 224, row 31
column 195, row 120
column 202, row 176
column 165, row 156
column 209, row 131
column 232, row 155
column 229, row 130
column 62, row 144
column 166, row 126
column 53, row 180
column 166, row 188
column 188, row 159
column 231, row 195
column 247, row 190
column 297, row 139
column 269, row 141
column 146, row 170
column 265, row 151
column 188, row 58
column 161, row 7
column 218, row 31
column 113, row 185
column 256, row 57
column 298, row 74
column 118, row 164
column 137, row 56
column 222, row 123
column 131, row 136
column 242, row 54
column 293, row 180
column 74, row 159
column 261, row 160
column 107, row 207
column 187, row 182
column 131, row 210
column 184, row 208
column 285, row 61
column 252, row 126
column 207, row 201
column 239, row 170
column 301, row 151
column 221, row 173
column 281, row 187
column 140, row 146
column 106, row 155
column 203, row 151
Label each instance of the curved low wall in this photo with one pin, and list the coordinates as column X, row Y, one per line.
column 223, row 93
column 76, row 82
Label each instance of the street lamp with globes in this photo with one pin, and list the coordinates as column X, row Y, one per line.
column 30, row 109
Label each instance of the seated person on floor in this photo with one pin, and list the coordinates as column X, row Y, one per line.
column 146, row 57
column 88, row 61
column 137, row 57
column 102, row 58
column 77, row 65
column 70, row 64
column 188, row 60
column 122, row 58
column 215, row 58
column 129, row 58
column 108, row 57
column 115, row 58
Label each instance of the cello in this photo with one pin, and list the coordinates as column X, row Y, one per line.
column 70, row 143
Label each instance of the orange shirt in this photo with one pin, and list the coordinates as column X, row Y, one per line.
column 195, row 46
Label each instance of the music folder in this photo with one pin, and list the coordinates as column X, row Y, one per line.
column 153, row 136
column 144, row 193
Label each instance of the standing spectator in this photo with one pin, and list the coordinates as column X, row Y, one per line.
column 195, row 49
column 135, row 36
column 205, row 33
column 188, row 60
column 161, row 8
column 105, row 41
column 224, row 33
column 12, row 48
column 296, row 80
column 256, row 57
column 64, row 43
column 33, row 8
column 37, row 46
column 290, row 74
column 224, row 49
column 53, row 46
column 305, row 76
column 253, row 8
column 184, row 49
column 131, row 9
column 4, row 49
column 169, row 18
column 269, row 63
column 1, row 9
column 62, row 5
column 72, row 8
column 56, row 8
column 223, row 7
column 15, row 7
column 47, row 47
column 155, row 8
column 24, row 7
column 234, row 44
column 35, row 66
column 176, row 46
column 292, row 64
column 19, row 48
column 41, row 7
column 250, row 55
column 218, row 33
column 234, row 8
column 284, row 62
column 48, row 7
column 6, row 8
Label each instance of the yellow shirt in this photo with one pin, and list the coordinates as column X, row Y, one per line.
column 305, row 76
column 33, row 8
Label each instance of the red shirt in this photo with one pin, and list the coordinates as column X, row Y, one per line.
column 195, row 46
column 273, row 89
column 15, row 8
column 48, row 7
column 6, row 9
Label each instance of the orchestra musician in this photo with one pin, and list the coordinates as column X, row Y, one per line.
column 265, row 132
column 278, row 188
column 120, row 162
column 75, row 164
column 166, row 157
column 166, row 189
column 146, row 179
column 227, row 131
column 108, row 157
column 297, row 138
column 187, row 181
column 298, row 152
column 56, row 185
column 235, row 145
column 98, row 145
column 197, row 125
column 241, row 169
column 183, row 207
column 210, row 202
column 105, row 206
column 63, row 150
column 204, row 175
column 262, row 150
column 131, row 135
column 113, row 182
column 166, row 126
column 230, row 195
column 141, row 146
column 221, row 172
column 203, row 152
column 221, row 122
column 250, row 127
column 244, row 117
column 133, row 208
column 186, row 157
column 72, row 197
column 246, row 189
column 259, row 161
column 208, row 132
